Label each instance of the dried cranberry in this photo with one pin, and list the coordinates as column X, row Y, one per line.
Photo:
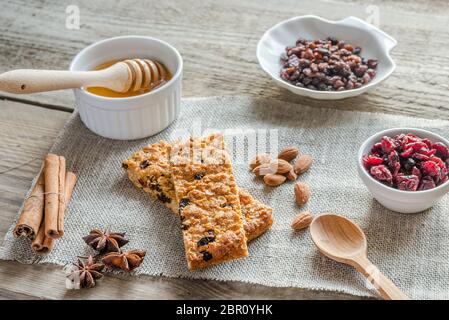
column 427, row 183
column 430, row 168
column 382, row 174
column 441, row 150
column 369, row 161
column 388, row 144
column 407, row 183
column 377, row 148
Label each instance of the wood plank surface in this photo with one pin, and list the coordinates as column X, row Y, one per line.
column 217, row 40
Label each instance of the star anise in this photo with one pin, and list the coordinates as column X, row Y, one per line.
column 106, row 241
column 127, row 261
column 86, row 272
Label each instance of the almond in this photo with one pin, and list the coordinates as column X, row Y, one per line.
column 259, row 159
column 291, row 175
column 274, row 180
column 302, row 193
column 302, row 220
column 288, row 154
column 280, row 166
column 263, row 169
column 303, row 164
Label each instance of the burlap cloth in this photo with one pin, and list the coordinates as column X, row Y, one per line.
column 411, row 249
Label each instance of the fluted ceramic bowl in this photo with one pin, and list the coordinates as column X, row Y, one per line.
column 375, row 44
column 137, row 116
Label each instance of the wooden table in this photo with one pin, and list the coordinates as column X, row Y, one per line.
column 218, row 41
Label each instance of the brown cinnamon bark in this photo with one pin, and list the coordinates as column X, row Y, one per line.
column 54, row 189
column 33, row 212
column 43, row 244
column 61, row 202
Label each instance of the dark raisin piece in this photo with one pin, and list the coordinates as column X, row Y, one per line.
column 333, row 40
column 198, row 176
column 205, row 240
column 206, row 255
column 144, row 164
column 163, row 198
column 124, row 165
column 183, row 203
column 357, row 50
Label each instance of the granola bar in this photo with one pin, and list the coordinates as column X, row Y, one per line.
column 148, row 169
column 208, row 199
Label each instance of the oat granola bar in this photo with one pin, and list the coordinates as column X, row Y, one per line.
column 209, row 204
column 148, row 169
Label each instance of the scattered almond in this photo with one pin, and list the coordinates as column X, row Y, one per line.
column 280, row 166
column 274, row 180
column 302, row 193
column 263, row 169
column 303, row 164
column 302, row 220
column 288, row 154
column 259, row 159
column 291, row 175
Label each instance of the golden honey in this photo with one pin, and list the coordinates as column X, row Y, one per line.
column 113, row 94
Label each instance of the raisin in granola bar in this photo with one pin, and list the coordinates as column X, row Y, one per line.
column 209, row 204
column 148, row 169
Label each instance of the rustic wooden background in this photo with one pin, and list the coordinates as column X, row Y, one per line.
column 218, row 41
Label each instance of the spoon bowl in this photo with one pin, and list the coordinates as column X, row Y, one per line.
column 340, row 239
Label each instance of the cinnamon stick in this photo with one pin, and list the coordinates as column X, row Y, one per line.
column 33, row 212
column 61, row 202
column 43, row 244
column 54, row 175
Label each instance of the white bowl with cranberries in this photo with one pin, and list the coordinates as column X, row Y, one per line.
column 405, row 169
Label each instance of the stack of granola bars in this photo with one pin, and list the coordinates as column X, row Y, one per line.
column 194, row 179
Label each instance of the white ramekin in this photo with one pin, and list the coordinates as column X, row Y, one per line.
column 399, row 200
column 133, row 117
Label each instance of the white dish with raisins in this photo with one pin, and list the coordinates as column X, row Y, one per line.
column 358, row 57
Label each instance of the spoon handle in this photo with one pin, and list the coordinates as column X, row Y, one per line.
column 30, row 80
column 387, row 289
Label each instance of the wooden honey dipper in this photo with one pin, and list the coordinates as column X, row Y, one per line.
column 124, row 76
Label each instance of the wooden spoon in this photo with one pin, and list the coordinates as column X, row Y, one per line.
column 123, row 76
column 340, row 239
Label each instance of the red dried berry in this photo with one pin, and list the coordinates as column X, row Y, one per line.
column 407, row 183
column 388, row 144
column 407, row 153
column 371, row 160
column 382, row 174
column 427, row 183
column 441, row 150
column 430, row 168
